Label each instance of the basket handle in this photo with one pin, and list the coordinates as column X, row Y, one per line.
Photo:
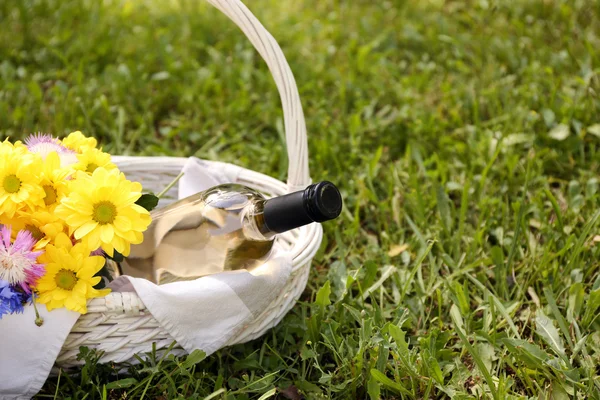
column 293, row 116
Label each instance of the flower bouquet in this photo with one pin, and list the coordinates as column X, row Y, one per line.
column 66, row 211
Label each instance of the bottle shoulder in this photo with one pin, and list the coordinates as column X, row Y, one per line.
column 230, row 196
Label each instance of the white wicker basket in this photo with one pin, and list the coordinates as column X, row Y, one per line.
column 119, row 323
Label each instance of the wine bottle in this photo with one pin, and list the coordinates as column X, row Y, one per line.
column 225, row 228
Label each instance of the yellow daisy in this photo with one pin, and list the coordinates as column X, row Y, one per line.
column 93, row 158
column 8, row 146
column 19, row 180
column 78, row 142
column 53, row 181
column 69, row 279
column 101, row 210
column 43, row 225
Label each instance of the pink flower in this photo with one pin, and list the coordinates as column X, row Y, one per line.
column 18, row 263
column 43, row 144
column 97, row 252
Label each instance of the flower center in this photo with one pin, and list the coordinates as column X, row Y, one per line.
column 91, row 167
column 35, row 232
column 6, row 263
column 11, row 184
column 50, row 197
column 66, row 279
column 104, row 212
column 14, row 266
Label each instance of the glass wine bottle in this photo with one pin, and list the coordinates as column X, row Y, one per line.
column 227, row 227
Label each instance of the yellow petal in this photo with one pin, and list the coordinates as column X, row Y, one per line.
column 122, row 223
column 85, row 229
column 62, row 240
column 107, row 233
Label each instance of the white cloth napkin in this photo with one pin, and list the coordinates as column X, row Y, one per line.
column 28, row 352
column 200, row 314
column 207, row 312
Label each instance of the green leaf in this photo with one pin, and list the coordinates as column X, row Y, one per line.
column 403, row 352
column 373, row 389
column 117, row 257
column 122, row 383
column 487, row 354
column 499, row 306
column 388, row 383
column 194, row 358
column 148, row 201
column 371, row 268
column 323, row 295
column 354, row 313
column 306, row 353
column 594, row 130
column 575, row 301
column 457, row 317
column 433, row 367
column 546, row 329
column 268, row 394
column 498, row 258
column 398, row 335
column 592, row 304
column 459, row 326
column 461, row 297
column 557, row 392
column 558, row 315
column 549, row 116
column 531, row 354
column 518, row 138
column 307, row 387
column 579, row 346
column 560, row 132
column 443, row 204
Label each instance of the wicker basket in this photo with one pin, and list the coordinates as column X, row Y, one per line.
column 119, row 323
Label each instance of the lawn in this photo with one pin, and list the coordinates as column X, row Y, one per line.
column 464, row 135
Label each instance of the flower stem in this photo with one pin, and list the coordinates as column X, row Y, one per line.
column 170, row 185
column 39, row 321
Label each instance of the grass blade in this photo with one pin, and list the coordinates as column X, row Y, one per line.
column 459, row 325
column 558, row 315
column 546, row 329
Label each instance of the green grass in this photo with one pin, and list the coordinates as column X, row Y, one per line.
column 463, row 134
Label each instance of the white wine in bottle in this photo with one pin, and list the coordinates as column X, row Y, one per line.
column 227, row 227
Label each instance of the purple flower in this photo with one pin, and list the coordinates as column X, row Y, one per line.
column 37, row 141
column 18, row 265
column 98, row 252
column 44, row 144
column 11, row 301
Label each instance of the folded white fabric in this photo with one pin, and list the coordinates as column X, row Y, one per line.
column 200, row 314
column 205, row 313
column 28, row 352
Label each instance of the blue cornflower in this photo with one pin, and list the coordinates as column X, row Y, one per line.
column 11, row 301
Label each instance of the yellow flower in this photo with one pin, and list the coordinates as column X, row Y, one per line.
column 44, row 226
column 93, row 158
column 69, row 279
column 19, row 179
column 78, row 142
column 102, row 212
column 53, row 181
column 8, row 146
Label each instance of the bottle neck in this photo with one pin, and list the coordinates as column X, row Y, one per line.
column 287, row 212
column 317, row 203
column 263, row 219
column 253, row 222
